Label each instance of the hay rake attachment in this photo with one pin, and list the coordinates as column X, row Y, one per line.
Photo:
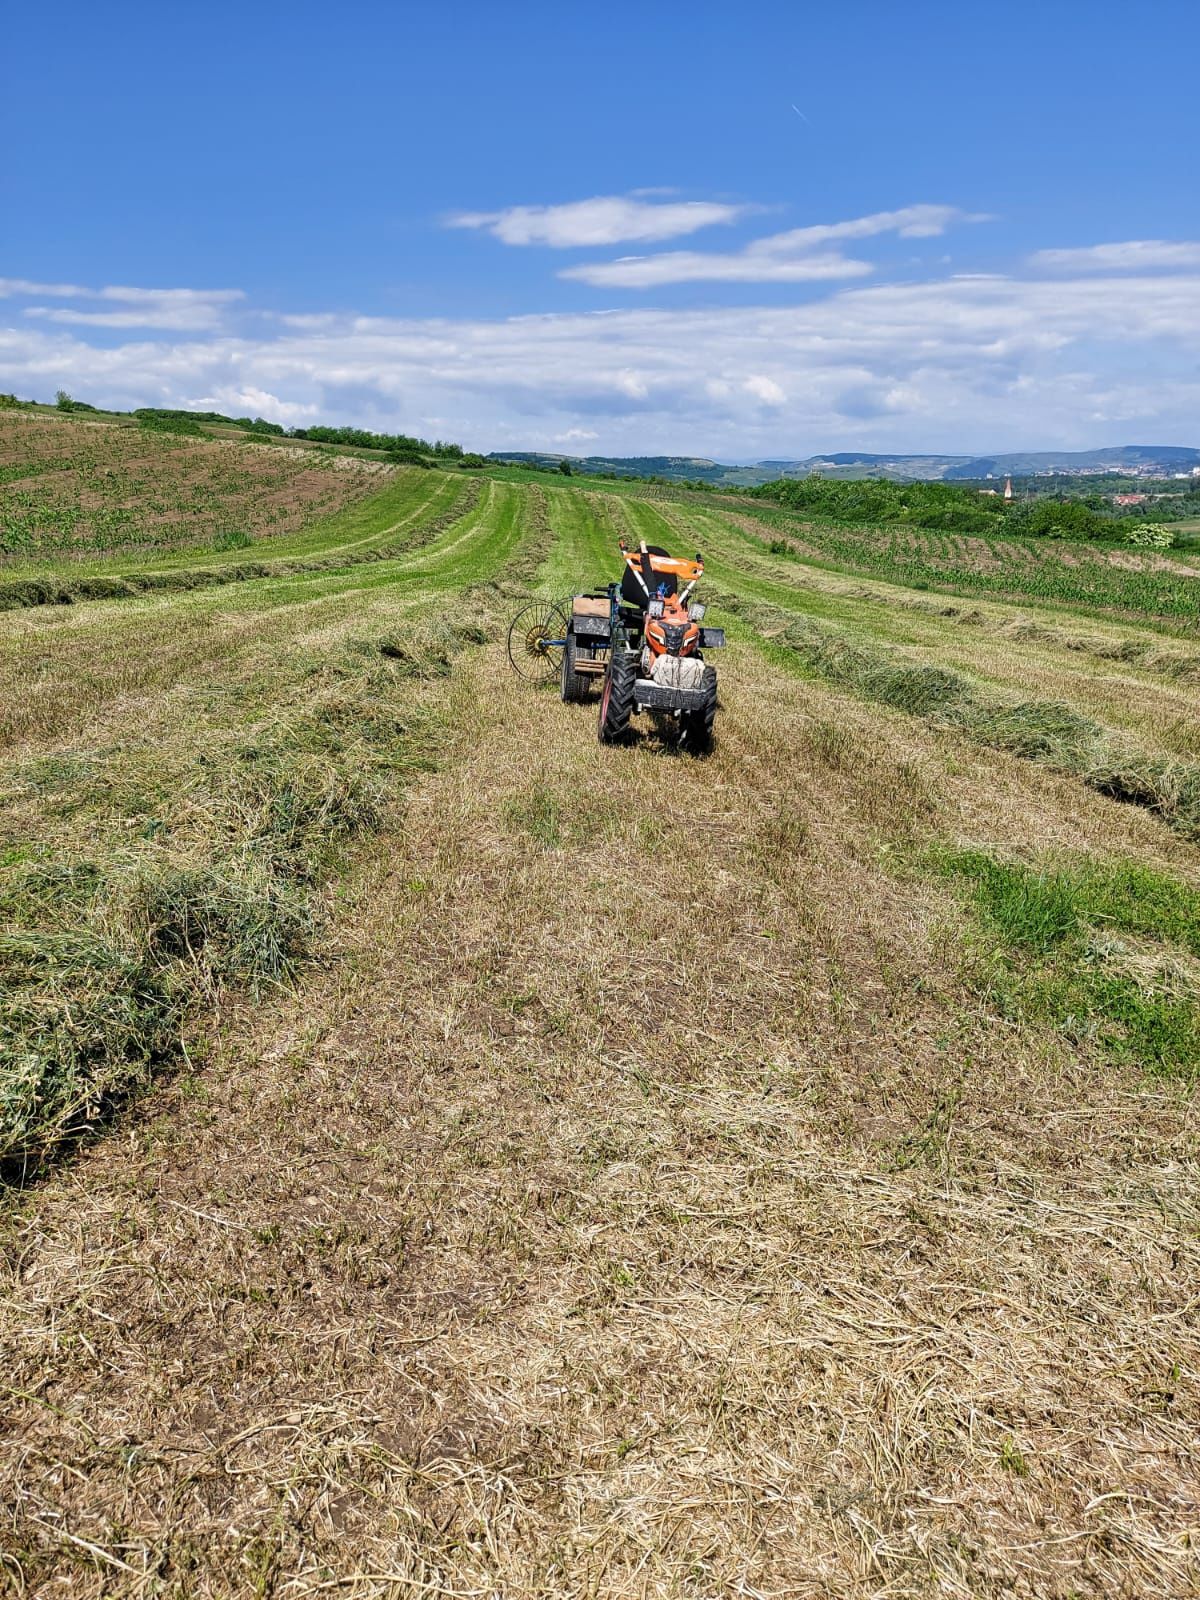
column 537, row 636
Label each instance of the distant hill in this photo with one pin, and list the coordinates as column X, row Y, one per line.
column 695, row 468
column 1147, row 459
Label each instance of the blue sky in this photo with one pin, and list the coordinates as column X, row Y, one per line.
column 743, row 231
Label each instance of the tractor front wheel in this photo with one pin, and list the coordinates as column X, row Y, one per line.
column 696, row 727
column 616, row 702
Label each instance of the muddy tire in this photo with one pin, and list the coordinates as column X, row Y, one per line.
column 574, row 684
column 696, row 727
column 616, row 700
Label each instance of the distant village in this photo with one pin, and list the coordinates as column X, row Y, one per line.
column 1121, row 498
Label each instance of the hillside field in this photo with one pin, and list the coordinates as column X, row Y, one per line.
column 448, row 1157
column 73, row 489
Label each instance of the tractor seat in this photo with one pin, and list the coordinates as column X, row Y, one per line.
column 631, row 589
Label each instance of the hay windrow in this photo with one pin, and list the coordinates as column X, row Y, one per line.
column 60, row 589
column 588, row 1172
column 1050, row 732
column 222, row 898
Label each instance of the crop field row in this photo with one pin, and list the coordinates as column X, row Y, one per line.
column 78, row 489
column 1032, row 571
column 502, row 1164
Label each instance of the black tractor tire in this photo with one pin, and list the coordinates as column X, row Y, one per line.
column 696, row 727
column 574, row 684
column 616, row 700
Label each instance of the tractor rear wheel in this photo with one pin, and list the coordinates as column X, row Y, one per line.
column 616, row 702
column 696, row 727
column 574, row 684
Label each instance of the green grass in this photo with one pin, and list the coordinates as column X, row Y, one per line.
column 162, row 866
column 89, row 491
column 411, row 507
column 184, row 860
column 1095, row 949
column 105, row 961
column 997, row 565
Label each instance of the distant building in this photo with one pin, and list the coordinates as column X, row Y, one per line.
column 1130, row 499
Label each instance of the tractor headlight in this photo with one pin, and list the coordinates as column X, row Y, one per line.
column 655, row 608
column 696, row 613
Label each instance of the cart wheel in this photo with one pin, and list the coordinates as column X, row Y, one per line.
column 535, row 640
column 574, row 684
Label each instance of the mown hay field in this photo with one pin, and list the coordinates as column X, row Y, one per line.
column 449, row 1157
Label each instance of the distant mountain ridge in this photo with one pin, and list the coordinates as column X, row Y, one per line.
column 1147, row 460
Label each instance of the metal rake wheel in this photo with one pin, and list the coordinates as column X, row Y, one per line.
column 536, row 636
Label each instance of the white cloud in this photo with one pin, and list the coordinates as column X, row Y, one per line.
column 236, row 401
column 790, row 257
column 765, row 389
column 197, row 317
column 576, row 436
column 23, row 287
column 184, row 310
column 171, row 297
column 698, row 266
column 1134, row 255
column 605, row 219
column 966, row 363
column 910, row 222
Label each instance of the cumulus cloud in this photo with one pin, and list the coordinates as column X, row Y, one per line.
column 970, row 363
column 1133, row 255
column 239, row 401
column 604, row 219
column 765, row 389
column 791, row 257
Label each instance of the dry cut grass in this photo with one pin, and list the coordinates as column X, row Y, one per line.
column 644, row 1201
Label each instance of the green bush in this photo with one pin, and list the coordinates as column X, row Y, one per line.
column 1150, row 536
column 943, row 507
column 162, row 422
column 1058, row 519
column 408, row 455
column 927, row 505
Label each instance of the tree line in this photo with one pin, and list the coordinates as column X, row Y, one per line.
column 941, row 507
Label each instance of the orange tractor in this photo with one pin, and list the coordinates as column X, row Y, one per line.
column 641, row 639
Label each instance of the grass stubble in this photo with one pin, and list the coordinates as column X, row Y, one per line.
column 152, row 868
column 545, row 1241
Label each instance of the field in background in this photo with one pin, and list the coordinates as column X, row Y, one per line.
column 524, row 1167
column 72, row 488
column 1122, row 582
